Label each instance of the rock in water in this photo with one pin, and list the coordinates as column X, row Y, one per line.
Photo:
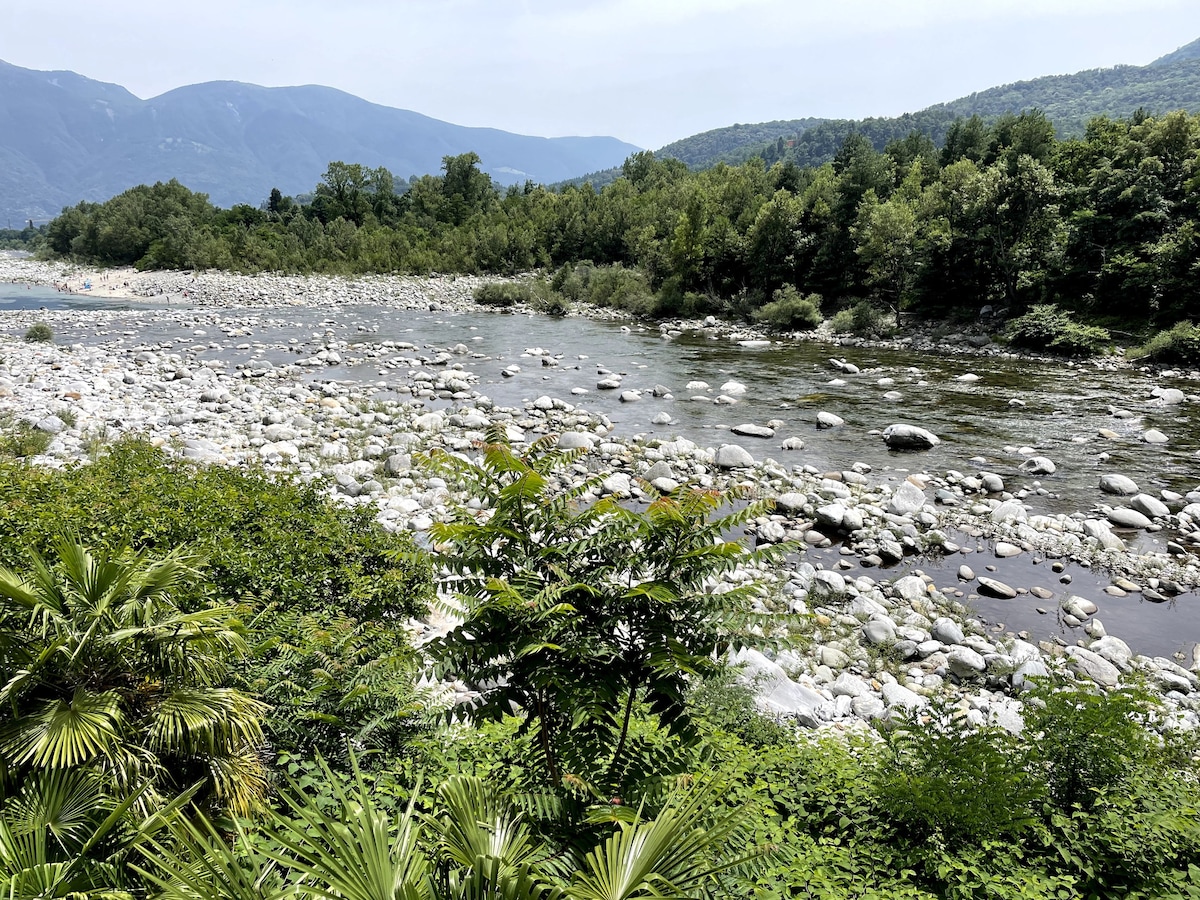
column 750, row 430
column 829, row 420
column 909, row 437
column 1039, row 465
column 993, row 588
column 1118, row 484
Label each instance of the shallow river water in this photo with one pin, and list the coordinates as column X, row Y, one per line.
column 1065, row 407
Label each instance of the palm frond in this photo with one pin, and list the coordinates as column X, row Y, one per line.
column 64, row 733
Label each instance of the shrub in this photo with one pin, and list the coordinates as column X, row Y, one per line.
column 20, row 439
column 545, row 299
column 951, row 787
column 1046, row 327
column 788, row 311
column 39, row 333
column 268, row 540
column 862, row 319
column 614, row 287
column 502, row 294
column 1179, row 344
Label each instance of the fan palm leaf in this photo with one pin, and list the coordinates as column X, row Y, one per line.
column 62, row 733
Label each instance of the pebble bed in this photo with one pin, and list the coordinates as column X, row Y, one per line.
column 867, row 648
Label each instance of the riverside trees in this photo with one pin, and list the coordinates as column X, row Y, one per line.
column 1105, row 226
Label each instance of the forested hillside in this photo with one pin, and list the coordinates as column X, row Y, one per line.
column 1070, row 101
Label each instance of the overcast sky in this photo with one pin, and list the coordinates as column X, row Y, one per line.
column 646, row 71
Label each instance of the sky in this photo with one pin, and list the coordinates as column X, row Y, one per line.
column 646, row 71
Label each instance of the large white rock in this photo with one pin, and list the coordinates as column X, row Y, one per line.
column 1150, row 506
column 1123, row 517
column 1118, row 484
column 829, row 420
column 1093, row 666
column 907, row 499
column 751, row 430
column 1039, row 465
column 576, row 440
column 731, row 456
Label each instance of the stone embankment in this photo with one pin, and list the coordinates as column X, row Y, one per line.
column 869, row 645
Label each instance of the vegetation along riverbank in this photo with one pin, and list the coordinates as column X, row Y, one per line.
column 387, row 624
column 290, row 611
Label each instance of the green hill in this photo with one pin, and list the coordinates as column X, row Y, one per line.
column 1169, row 83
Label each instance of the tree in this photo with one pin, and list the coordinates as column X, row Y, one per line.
column 887, row 240
column 577, row 613
column 109, row 675
column 466, row 189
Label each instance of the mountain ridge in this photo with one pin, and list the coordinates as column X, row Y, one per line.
column 65, row 137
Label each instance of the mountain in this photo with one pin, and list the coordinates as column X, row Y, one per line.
column 1069, row 101
column 1187, row 51
column 66, row 138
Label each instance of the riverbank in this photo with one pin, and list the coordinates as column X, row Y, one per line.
column 885, row 598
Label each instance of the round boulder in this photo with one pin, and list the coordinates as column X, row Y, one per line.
column 731, row 456
column 1118, row 484
column 909, row 437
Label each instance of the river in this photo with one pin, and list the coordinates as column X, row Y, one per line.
column 1064, row 407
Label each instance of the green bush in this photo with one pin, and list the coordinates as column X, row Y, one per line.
column 267, row 540
column 39, row 333
column 788, row 311
column 947, row 786
column 861, row 319
column 612, row 287
column 20, row 439
column 1179, row 344
column 502, row 294
column 1045, row 327
column 546, row 300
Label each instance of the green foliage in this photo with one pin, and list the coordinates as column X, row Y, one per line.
column 863, row 318
column 62, row 835
column 1046, row 327
column 324, row 587
column 20, row 439
column 1089, row 740
column 464, row 841
column 503, row 294
column 1178, row 345
column 576, row 613
column 269, row 540
column 546, row 300
column 947, row 788
column 111, row 676
column 612, row 287
column 39, row 333
column 788, row 311
column 329, row 676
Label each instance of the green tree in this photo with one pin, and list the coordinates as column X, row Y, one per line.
column 576, row 614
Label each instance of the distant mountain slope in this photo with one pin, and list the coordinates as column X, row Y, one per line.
column 1069, row 101
column 708, row 145
column 64, row 138
column 1187, row 51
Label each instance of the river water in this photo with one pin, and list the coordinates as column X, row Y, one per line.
column 1065, row 407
